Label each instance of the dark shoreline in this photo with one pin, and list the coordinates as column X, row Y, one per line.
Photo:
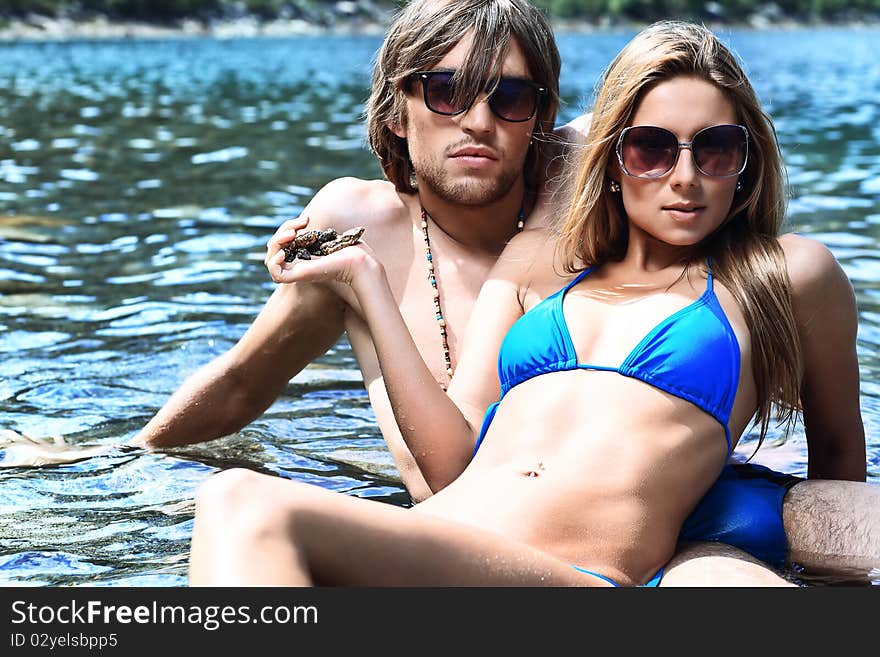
column 45, row 29
column 37, row 29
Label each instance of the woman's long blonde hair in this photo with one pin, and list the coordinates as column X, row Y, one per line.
column 746, row 256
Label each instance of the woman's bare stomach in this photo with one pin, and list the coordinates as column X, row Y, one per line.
column 561, row 476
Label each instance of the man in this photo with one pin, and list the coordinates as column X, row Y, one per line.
column 471, row 179
column 466, row 164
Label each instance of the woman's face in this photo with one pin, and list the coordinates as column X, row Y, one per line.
column 683, row 206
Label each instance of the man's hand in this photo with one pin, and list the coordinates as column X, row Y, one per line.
column 23, row 451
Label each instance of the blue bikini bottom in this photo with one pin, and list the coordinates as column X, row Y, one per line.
column 744, row 509
column 652, row 583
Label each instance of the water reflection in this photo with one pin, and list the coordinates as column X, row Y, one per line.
column 139, row 182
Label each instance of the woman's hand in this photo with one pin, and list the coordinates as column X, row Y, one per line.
column 353, row 266
column 285, row 234
column 350, row 272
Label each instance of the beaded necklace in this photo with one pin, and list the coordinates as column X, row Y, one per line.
column 432, row 279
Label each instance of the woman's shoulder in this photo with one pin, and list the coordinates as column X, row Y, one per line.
column 817, row 278
column 531, row 237
column 533, row 258
column 809, row 261
column 532, row 249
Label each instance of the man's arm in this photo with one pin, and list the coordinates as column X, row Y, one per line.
column 825, row 311
column 297, row 325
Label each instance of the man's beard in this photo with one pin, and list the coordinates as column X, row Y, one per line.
column 472, row 192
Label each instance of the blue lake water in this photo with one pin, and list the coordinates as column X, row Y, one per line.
column 139, row 183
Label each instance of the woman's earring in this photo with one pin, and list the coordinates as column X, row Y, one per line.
column 614, row 187
column 739, row 185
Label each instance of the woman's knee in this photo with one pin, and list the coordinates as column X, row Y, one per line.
column 225, row 487
column 251, row 502
column 232, row 496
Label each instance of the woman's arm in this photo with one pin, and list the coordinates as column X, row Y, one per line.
column 439, row 430
column 827, row 319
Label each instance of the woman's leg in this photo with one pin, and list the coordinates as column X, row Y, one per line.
column 253, row 529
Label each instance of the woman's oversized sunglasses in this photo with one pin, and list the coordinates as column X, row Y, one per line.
column 513, row 99
column 719, row 151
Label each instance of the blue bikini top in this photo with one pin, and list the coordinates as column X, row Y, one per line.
column 693, row 354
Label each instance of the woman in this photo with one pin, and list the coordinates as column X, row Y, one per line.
column 623, row 388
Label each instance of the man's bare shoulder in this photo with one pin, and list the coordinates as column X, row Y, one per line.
column 561, row 154
column 348, row 202
column 575, row 131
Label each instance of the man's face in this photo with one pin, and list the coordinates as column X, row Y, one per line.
column 474, row 158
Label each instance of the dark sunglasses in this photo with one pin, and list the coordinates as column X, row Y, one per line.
column 719, row 151
column 513, row 99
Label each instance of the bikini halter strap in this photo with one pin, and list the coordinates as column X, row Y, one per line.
column 577, row 279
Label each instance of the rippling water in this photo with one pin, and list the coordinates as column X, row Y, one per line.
column 139, row 182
